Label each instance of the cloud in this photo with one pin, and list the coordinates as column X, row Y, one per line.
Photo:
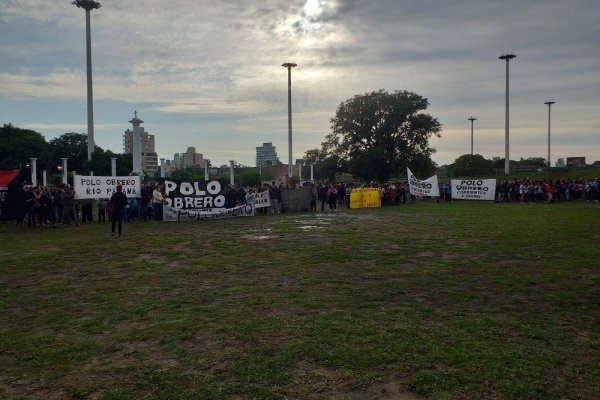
column 221, row 62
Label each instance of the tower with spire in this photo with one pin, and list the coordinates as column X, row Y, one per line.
column 140, row 144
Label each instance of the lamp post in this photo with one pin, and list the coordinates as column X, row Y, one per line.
column 289, row 66
column 507, row 57
column 89, row 5
column 549, row 107
column 472, row 119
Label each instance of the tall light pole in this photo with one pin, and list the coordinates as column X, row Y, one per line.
column 507, row 57
column 289, row 66
column 549, row 106
column 89, row 5
column 472, row 119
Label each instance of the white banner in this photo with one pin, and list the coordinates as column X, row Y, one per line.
column 102, row 187
column 262, row 199
column 428, row 187
column 474, row 189
column 180, row 214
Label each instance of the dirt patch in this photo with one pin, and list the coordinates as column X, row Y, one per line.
column 390, row 390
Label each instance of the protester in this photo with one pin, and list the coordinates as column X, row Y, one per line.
column 275, row 195
column 102, row 204
column 157, row 204
column 118, row 202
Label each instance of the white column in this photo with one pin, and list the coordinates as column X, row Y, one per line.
column 34, row 171
column 162, row 167
column 312, row 168
column 300, row 171
column 64, row 167
column 44, row 178
column 206, row 170
column 113, row 166
column 91, row 173
column 231, row 179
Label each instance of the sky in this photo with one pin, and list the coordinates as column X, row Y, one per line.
column 208, row 74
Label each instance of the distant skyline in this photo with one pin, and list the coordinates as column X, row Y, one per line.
column 208, row 74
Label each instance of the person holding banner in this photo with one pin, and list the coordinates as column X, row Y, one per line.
column 157, row 203
column 118, row 201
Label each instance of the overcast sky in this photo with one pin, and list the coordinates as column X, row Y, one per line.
column 208, row 74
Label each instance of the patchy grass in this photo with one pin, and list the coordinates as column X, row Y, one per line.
column 444, row 301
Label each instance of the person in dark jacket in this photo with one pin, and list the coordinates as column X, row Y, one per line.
column 118, row 201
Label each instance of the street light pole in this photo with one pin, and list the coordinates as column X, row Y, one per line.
column 472, row 119
column 549, row 106
column 89, row 5
column 289, row 66
column 507, row 57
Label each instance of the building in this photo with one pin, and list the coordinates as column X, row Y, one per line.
column 192, row 159
column 560, row 163
column 149, row 158
column 266, row 155
column 577, row 162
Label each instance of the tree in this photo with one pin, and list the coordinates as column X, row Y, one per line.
column 472, row 165
column 377, row 134
column 192, row 173
column 72, row 146
column 18, row 145
column 326, row 166
column 248, row 176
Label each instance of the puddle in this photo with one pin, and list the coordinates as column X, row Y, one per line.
column 258, row 237
column 308, row 227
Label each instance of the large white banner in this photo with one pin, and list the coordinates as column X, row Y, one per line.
column 192, row 201
column 102, row 187
column 474, row 189
column 428, row 187
column 262, row 199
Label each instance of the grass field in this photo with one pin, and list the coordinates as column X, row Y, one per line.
column 467, row 300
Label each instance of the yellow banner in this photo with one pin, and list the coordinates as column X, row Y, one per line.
column 365, row 198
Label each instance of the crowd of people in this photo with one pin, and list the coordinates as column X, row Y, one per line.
column 54, row 206
column 536, row 191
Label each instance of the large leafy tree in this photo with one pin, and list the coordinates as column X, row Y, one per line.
column 18, row 145
column 377, row 134
column 72, row 146
column 469, row 165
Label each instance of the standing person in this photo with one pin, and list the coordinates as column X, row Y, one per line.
column 249, row 198
column 102, row 203
column 275, row 195
column 59, row 202
column 332, row 197
column 313, row 197
column 69, row 214
column 86, row 211
column 118, row 201
column 144, row 214
column 322, row 191
column 348, row 193
column 157, row 203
